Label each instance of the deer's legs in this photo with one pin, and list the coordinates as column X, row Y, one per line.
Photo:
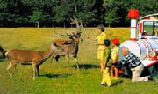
column 8, row 69
column 67, row 57
column 76, row 62
column 34, row 71
column 37, row 67
column 11, row 65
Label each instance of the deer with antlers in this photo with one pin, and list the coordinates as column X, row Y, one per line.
column 70, row 46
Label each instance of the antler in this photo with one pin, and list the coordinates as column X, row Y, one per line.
column 78, row 26
column 64, row 35
column 74, row 21
column 59, row 35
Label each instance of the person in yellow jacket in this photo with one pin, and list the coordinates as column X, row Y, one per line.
column 106, row 80
column 114, row 58
column 100, row 42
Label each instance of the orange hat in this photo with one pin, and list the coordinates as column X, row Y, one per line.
column 115, row 41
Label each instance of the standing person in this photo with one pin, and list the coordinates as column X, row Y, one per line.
column 106, row 80
column 114, row 58
column 100, row 41
column 134, row 64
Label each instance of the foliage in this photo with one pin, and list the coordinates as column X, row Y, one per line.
column 62, row 11
column 84, row 11
column 37, row 17
column 58, row 12
column 111, row 16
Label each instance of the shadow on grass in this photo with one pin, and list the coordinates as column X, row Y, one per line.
column 117, row 83
column 49, row 75
column 87, row 66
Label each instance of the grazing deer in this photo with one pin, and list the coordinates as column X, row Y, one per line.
column 27, row 57
column 70, row 46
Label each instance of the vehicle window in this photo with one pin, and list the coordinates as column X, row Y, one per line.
column 151, row 27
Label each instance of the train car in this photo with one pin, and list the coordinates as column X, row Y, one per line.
column 144, row 39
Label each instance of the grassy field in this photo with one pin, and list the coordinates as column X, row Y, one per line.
column 55, row 78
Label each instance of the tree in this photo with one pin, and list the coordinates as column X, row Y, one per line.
column 63, row 12
column 116, row 12
column 37, row 17
column 59, row 12
column 6, row 18
column 84, row 10
column 99, row 11
column 40, row 11
column 111, row 17
column 145, row 6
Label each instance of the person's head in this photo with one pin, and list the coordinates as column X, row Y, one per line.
column 125, row 51
column 115, row 42
column 100, row 28
column 107, row 42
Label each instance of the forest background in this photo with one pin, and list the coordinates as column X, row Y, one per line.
column 57, row 13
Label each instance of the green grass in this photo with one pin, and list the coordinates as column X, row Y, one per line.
column 55, row 77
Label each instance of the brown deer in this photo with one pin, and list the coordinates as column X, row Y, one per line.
column 70, row 46
column 27, row 57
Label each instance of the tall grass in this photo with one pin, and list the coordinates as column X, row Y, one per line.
column 55, row 78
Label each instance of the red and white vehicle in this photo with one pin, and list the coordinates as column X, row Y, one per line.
column 144, row 37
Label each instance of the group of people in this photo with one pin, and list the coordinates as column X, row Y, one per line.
column 107, row 54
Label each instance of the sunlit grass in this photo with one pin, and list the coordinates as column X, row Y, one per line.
column 55, row 78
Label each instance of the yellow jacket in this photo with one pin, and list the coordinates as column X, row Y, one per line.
column 100, row 38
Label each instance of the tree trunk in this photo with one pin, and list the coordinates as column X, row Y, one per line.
column 109, row 25
column 38, row 24
column 64, row 25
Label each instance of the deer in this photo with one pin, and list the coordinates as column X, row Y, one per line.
column 28, row 57
column 70, row 46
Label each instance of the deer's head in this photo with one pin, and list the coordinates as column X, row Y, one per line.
column 76, row 36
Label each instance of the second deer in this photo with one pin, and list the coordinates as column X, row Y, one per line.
column 70, row 46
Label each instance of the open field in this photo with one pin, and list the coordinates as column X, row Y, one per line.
column 55, row 78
